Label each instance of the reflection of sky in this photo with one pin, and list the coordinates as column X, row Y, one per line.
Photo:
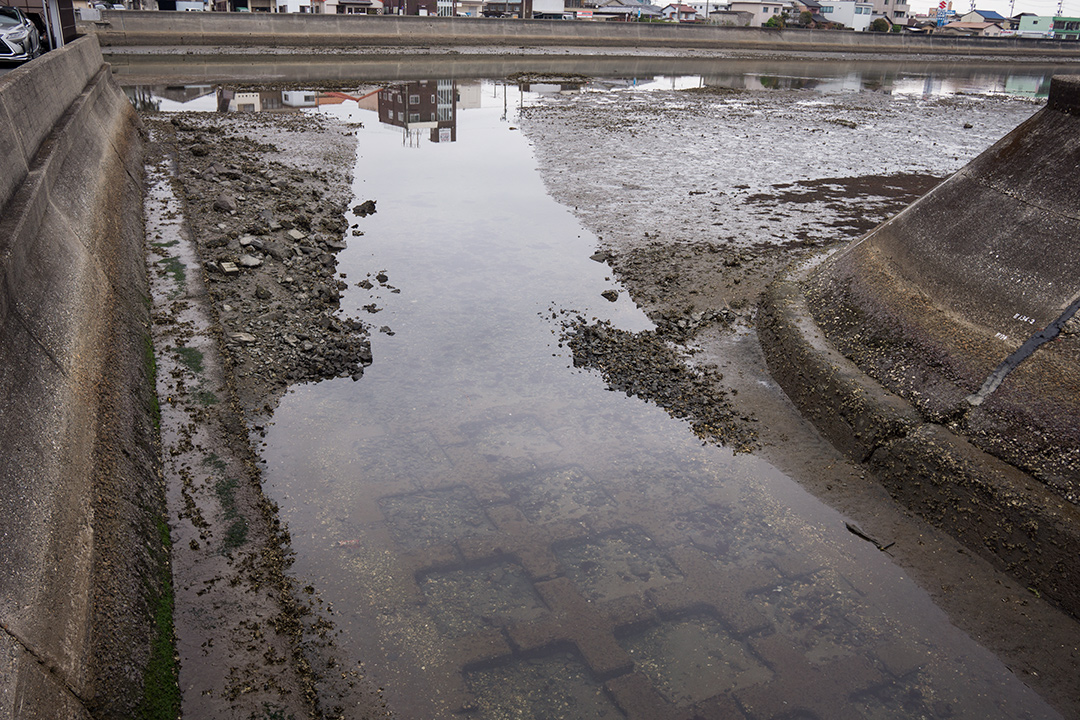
column 206, row 103
column 1032, row 83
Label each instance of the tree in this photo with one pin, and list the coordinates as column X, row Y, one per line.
column 880, row 25
column 775, row 21
column 805, row 18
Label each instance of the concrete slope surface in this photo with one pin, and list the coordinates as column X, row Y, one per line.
column 952, row 327
column 83, row 565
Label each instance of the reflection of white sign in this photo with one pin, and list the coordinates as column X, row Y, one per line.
column 584, row 14
column 444, row 135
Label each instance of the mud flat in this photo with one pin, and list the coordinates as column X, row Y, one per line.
column 244, row 220
column 703, row 197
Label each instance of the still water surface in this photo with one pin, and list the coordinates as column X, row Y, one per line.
column 500, row 534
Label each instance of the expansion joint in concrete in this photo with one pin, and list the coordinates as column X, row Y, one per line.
column 1025, row 351
column 38, row 342
column 47, row 667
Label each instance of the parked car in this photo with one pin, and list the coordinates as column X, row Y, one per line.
column 19, row 37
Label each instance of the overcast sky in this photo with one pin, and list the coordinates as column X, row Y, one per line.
column 1039, row 7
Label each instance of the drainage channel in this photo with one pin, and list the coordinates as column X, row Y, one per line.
column 499, row 535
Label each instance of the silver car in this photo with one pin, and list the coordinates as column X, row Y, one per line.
column 19, row 37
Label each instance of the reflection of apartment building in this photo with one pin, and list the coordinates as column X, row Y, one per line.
column 265, row 100
column 421, row 105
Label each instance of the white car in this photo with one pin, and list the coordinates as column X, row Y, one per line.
column 19, row 37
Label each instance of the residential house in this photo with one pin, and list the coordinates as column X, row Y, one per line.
column 1035, row 26
column 730, row 18
column 849, row 13
column 626, row 10
column 762, row 10
column 987, row 16
column 679, row 13
column 970, row 29
column 348, row 7
column 798, row 7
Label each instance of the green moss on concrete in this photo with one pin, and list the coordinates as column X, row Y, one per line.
column 206, row 398
column 161, row 688
column 192, row 358
column 236, row 532
column 174, row 267
column 150, row 365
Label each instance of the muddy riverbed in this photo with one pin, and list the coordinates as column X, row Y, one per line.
column 698, row 197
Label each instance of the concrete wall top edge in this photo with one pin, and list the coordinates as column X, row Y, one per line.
column 32, row 99
column 1064, row 93
column 119, row 28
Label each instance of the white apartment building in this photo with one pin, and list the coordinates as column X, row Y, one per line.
column 849, row 13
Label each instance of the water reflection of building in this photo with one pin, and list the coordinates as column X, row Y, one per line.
column 419, row 106
column 265, row 100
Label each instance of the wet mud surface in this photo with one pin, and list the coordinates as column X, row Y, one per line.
column 250, row 641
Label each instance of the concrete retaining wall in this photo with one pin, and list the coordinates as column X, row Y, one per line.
column 81, row 553
column 303, row 30
column 889, row 345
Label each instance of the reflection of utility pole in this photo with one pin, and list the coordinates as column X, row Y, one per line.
column 503, row 118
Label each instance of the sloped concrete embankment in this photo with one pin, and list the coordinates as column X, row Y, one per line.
column 127, row 28
column 83, row 565
column 912, row 351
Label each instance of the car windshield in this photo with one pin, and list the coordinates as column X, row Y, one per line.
column 9, row 16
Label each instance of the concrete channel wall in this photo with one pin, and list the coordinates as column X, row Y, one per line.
column 82, row 558
column 134, row 28
column 897, row 349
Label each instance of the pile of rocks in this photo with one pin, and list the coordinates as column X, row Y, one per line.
column 268, row 231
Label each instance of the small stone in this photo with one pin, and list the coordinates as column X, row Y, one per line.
column 243, row 337
column 610, row 295
column 225, row 203
column 249, row 261
column 386, row 329
column 262, row 293
column 296, row 234
column 200, row 150
column 365, row 208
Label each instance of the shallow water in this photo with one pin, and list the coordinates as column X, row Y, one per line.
column 498, row 533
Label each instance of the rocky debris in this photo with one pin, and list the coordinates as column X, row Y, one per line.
column 268, row 226
column 648, row 365
column 365, row 208
column 610, row 295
